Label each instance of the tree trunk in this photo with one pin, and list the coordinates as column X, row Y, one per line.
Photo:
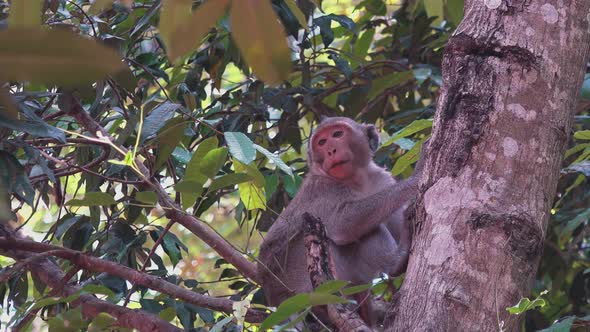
column 512, row 74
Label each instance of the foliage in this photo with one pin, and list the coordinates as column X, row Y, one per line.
column 219, row 117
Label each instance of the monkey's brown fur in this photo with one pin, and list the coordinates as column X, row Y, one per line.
column 360, row 204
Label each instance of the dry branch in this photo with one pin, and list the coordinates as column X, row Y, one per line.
column 342, row 316
column 50, row 274
column 95, row 264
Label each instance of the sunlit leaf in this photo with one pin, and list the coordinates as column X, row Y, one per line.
column 582, row 134
column 407, row 159
column 356, row 289
column 254, row 172
column 229, row 180
column 331, row 286
column 261, row 39
column 289, row 307
column 525, row 304
column 414, row 127
column 54, row 57
column 252, row 196
column 275, row 159
column 93, row 199
column 240, row 147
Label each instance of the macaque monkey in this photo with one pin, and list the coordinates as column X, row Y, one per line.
column 359, row 203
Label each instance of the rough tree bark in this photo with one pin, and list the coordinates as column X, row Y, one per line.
column 512, row 73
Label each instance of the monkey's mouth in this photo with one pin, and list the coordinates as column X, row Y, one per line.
column 338, row 163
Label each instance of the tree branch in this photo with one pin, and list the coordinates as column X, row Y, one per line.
column 318, row 264
column 70, row 105
column 51, row 275
column 95, row 264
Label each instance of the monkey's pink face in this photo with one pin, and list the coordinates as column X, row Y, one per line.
column 331, row 145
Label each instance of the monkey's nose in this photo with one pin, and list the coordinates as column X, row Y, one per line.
column 331, row 152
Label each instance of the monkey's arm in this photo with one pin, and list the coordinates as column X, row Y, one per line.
column 353, row 219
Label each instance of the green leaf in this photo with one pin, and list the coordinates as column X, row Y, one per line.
column 168, row 139
column 298, row 13
column 331, row 286
column 184, row 34
column 356, row 289
column 323, row 299
column 14, row 178
column 229, row 180
column 158, row 119
column 54, row 56
column 203, row 148
column 454, row 10
column 252, row 196
column 565, row 325
column 24, row 13
column 582, row 134
column 363, row 43
column 148, row 197
column 240, row 147
column 525, row 304
column 48, row 301
column 258, row 178
column 289, row 307
column 93, row 199
column 412, row 128
column 298, row 303
column 32, row 125
column 275, row 159
column 186, row 186
column 378, row 86
column 520, row 307
column 212, row 162
column 261, row 39
column 98, row 289
column 170, row 244
column 407, row 159
column 102, row 322
column 127, row 160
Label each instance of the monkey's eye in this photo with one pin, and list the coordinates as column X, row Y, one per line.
column 338, row 133
column 322, row 142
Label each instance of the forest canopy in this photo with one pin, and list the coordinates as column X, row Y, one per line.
column 116, row 116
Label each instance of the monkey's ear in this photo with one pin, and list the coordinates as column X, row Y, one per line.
column 373, row 137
